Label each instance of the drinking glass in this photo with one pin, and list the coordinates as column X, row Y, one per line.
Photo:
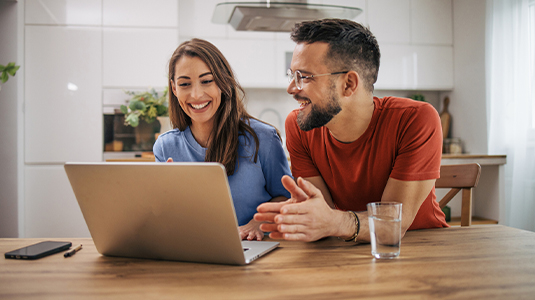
column 385, row 228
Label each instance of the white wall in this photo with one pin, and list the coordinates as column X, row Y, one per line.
column 468, row 98
column 8, row 123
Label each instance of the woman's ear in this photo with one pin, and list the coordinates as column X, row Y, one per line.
column 351, row 83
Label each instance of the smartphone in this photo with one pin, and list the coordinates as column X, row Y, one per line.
column 38, row 250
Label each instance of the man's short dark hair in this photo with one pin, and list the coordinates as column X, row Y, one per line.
column 351, row 46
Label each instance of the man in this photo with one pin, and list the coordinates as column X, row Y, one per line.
column 348, row 148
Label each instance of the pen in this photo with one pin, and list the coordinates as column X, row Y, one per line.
column 73, row 251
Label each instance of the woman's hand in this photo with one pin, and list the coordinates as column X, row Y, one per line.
column 251, row 231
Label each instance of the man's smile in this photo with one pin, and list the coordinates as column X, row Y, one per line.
column 303, row 102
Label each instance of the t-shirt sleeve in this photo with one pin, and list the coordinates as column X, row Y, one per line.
column 157, row 149
column 274, row 164
column 419, row 145
column 300, row 156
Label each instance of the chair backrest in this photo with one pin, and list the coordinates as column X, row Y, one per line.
column 459, row 177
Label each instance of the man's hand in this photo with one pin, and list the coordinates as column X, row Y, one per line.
column 251, row 231
column 304, row 217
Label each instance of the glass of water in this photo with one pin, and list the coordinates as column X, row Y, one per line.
column 385, row 228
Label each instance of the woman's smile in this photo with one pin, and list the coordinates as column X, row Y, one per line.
column 199, row 106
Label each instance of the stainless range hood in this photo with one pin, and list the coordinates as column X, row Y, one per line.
column 276, row 16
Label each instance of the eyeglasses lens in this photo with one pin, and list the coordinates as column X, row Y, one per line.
column 298, row 78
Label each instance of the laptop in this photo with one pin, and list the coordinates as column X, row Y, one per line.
column 165, row 211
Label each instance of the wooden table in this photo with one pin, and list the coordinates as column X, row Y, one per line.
column 488, row 261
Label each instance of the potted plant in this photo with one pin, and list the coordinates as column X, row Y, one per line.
column 418, row 97
column 145, row 106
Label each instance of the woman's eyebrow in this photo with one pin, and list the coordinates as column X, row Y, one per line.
column 187, row 77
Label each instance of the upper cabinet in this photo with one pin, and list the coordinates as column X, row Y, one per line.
column 139, row 37
column 415, row 67
column 137, row 57
column 431, row 22
column 140, row 13
column 416, row 42
column 195, row 20
column 253, row 63
column 411, row 21
column 61, row 12
column 389, row 21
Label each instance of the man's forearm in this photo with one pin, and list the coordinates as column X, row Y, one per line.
column 364, row 234
column 347, row 226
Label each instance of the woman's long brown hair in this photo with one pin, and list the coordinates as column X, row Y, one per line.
column 231, row 118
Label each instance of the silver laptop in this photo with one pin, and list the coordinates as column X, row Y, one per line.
column 169, row 211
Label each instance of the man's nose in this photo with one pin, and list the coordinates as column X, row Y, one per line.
column 292, row 88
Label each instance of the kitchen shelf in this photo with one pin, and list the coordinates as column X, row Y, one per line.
column 456, row 221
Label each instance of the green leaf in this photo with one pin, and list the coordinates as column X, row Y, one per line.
column 13, row 71
column 132, row 120
column 2, row 67
column 162, row 110
column 152, row 112
column 124, row 109
column 418, row 97
column 10, row 65
column 137, row 105
column 4, row 77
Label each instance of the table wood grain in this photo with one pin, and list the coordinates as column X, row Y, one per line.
column 488, row 261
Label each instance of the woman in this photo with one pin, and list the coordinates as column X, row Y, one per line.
column 210, row 124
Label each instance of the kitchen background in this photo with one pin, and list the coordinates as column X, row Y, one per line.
column 77, row 57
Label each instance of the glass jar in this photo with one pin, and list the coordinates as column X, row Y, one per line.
column 452, row 146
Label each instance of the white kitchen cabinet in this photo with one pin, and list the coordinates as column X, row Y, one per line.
column 250, row 35
column 50, row 207
column 412, row 67
column 416, row 42
column 431, row 22
column 389, row 21
column 434, row 67
column 361, row 18
column 140, row 13
column 63, row 106
column 61, row 12
column 195, row 20
column 253, row 62
column 137, row 57
column 283, row 58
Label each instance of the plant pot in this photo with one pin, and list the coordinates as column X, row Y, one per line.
column 165, row 124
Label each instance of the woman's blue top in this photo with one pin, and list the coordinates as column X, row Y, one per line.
column 252, row 183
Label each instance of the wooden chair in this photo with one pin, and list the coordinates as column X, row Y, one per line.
column 459, row 177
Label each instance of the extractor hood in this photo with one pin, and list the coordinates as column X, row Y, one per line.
column 276, row 16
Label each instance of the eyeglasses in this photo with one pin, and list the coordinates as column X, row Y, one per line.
column 299, row 77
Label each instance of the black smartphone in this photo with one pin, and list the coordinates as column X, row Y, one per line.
column 38, row 250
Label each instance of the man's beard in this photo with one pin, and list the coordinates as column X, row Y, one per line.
column 319, row 116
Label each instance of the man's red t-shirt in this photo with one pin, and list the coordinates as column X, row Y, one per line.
column 402, row 141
